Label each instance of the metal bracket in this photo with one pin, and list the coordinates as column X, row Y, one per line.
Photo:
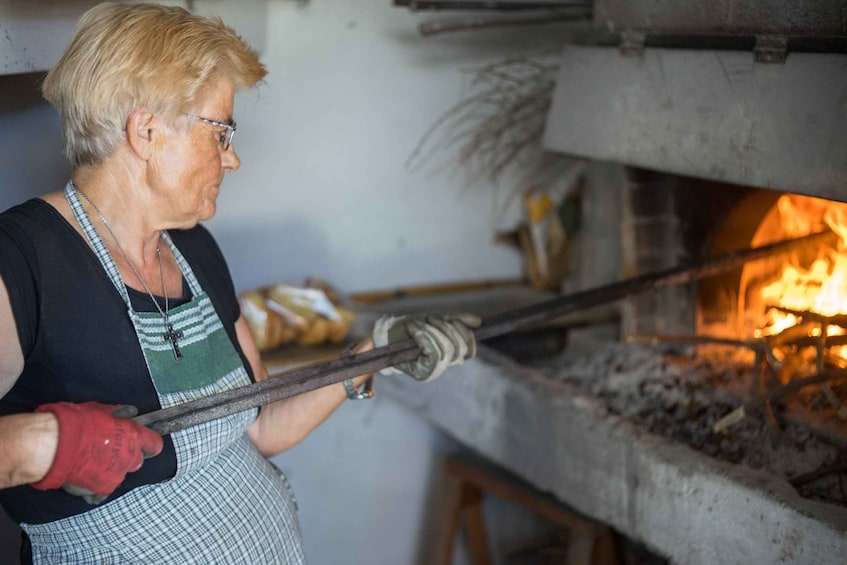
column 771, row 48
column 632, row 43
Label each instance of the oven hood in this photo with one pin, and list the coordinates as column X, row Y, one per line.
column 718, row 115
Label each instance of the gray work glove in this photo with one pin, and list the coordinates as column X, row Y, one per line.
column 444, row 340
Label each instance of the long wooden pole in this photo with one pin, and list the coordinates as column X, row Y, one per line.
column 291, row 383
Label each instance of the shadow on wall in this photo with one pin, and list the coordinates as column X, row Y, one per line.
column 291, row 249
column 263, row 253
column 31, row 159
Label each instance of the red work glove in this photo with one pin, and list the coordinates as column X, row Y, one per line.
column 97, row 447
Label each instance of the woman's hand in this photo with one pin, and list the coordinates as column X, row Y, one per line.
column 444, row 341
column 97, row 446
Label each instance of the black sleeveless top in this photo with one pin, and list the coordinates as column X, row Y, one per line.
column 77, row 340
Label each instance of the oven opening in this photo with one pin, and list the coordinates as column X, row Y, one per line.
column 748, row 367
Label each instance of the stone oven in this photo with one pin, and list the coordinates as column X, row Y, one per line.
column 724, row 128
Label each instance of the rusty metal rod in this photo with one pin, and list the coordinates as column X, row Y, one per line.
column 291, row 383
column 545, row 311
column 488, row 5
column 471, row 23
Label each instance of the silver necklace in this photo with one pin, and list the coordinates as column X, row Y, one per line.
column 170, row 334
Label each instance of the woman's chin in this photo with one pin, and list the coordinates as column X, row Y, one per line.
column 207, row 212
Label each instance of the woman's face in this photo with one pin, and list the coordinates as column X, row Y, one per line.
column 190, row 164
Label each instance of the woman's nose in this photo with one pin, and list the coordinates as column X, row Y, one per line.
column 230, row 160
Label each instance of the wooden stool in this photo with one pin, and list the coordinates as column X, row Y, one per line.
column 464, row 487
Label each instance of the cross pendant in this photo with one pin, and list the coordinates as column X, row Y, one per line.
column 173, row 336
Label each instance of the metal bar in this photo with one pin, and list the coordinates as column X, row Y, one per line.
column 490, row 5
column 539, row 17
column 544, row 311
column 291, row 383
column 748, row 17
column 279, row 386
column 430, row 290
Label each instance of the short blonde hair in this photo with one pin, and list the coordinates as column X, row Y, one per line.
column 124, row 57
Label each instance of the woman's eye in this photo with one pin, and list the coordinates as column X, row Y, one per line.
column 222, row 139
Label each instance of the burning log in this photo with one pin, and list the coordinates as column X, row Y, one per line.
column 821, row 319
column 821, row 341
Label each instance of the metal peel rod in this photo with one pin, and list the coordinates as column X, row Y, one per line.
column 291, row 383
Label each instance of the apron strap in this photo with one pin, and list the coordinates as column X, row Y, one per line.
column 96, row 242
column 183, row 265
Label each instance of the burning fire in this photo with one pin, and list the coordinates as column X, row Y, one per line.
column 796, row 309
column 819, row 287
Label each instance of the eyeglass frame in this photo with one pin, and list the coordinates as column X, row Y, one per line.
column 229, row 127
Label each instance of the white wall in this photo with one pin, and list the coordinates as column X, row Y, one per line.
column 323, row 192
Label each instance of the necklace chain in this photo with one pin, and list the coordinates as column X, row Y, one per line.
column 164, row 312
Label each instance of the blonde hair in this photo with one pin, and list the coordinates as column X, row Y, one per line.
column 124, row 57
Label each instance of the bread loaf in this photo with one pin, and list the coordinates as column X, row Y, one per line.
column 282, row 314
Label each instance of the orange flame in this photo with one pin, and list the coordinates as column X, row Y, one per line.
column 820, row 287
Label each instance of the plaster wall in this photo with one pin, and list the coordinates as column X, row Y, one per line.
column 324, row 190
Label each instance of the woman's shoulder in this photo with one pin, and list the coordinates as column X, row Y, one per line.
column 35, row 218
column 29, row 209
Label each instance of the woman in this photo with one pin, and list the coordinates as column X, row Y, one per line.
column 112, row 296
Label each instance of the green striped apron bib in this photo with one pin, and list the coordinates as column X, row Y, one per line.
column 226, row 503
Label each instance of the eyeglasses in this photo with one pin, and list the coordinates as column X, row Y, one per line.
column 225, row 139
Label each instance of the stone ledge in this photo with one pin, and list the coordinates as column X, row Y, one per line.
column 677, row 501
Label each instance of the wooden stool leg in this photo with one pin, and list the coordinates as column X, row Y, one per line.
column 605, row 547
column 580, row 546
column 465, row 486
column 447, row 526
column 472, row 500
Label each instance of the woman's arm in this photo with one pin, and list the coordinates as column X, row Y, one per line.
column 283, row 424
column 88, row 445
column 27, row 441
column 11, row 356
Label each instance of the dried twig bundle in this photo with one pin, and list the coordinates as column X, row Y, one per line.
column 500, row 126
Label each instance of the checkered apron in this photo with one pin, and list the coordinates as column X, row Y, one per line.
column 226, row 503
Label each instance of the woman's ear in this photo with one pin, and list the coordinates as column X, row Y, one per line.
column 142, row 128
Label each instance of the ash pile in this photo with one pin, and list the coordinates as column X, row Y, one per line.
column 690, row 398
